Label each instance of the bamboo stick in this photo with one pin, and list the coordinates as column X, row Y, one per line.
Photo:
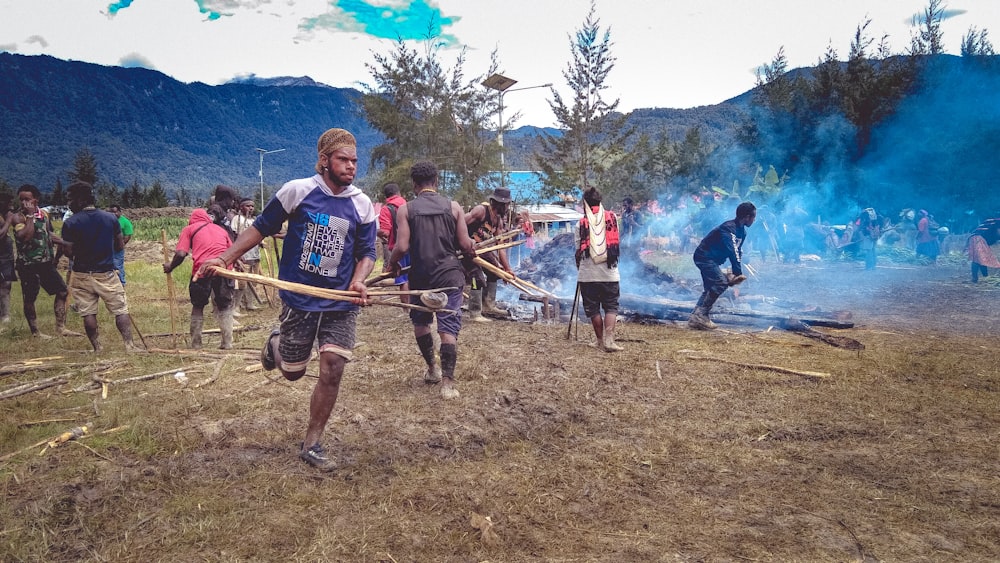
column 517, row 282
column 33, row 386
column 384, row 276
column 170, row 290
column 215, row 374
column 779, row 369
column 499, row 238
column 502, row 246
column 32, row 365
column 332, row 294
column 270, row 273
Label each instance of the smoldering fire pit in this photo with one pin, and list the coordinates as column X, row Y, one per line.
column 652, row 296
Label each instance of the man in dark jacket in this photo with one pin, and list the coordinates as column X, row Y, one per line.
column 724, row 242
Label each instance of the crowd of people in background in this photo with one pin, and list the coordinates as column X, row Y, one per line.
column 332, row 232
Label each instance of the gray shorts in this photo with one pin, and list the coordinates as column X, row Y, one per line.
column 330, row 331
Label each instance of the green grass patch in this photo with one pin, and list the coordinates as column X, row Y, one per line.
column 150, row 227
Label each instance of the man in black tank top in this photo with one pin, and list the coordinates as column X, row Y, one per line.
column 428, row 228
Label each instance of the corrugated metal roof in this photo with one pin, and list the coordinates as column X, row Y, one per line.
column 547, row 213
column 548, row 218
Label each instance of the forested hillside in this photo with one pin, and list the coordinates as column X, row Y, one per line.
column 141, row 125
column 930, row 140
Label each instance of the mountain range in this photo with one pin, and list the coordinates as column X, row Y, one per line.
column 144, row 126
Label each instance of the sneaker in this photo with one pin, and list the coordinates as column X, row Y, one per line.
column 448, row 393
column 434, row 300
column 316, row 457
column 433, row 375
column 267, row 352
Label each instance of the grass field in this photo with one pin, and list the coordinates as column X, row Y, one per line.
column 687, row 446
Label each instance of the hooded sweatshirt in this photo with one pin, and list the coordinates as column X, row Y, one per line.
column 327, row 235
column 202, row 238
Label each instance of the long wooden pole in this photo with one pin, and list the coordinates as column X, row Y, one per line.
column 333, row 294
column 498, row 246
column 270, row 270
column 517, row 282
column 572, row 311
column 499, row 238
column 170, row 290
column 384, row 276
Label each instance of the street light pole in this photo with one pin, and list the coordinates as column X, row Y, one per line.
column 502, row 85
column 260, row 173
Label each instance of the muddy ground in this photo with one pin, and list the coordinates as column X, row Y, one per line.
column 745, row 444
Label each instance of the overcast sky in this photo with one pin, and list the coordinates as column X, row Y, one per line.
column 670, row 53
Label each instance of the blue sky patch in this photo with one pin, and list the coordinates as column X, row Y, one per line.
column 120, row 5
column 416, row 21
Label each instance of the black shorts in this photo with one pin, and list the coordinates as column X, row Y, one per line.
column 40, row 276
column 329, row 331
column 219, row 288
column 7, row 272
column 597, row 295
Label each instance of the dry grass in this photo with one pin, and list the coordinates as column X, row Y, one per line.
column 573, row 454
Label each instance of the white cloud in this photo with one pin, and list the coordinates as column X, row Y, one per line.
column 135, row 60
column 38, row 40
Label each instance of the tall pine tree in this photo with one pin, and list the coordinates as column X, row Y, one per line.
column 593, row 135
column 84, row 167
column 58, row 194
column 428, row 112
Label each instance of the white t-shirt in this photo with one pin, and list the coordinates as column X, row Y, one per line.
column 240, row 224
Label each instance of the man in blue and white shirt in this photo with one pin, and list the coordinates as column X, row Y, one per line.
column 330, row 244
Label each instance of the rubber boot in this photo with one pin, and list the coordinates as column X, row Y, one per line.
column 240, row 300
column 197, row 322
column 490, row 300
column 246, row 300
column 700, row 319
column 609, row 341
column 225, row 320
column 476, row 306
column 467, row 290
column 60, row 313
column 5, row 303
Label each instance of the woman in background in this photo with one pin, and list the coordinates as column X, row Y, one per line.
column 978, row 248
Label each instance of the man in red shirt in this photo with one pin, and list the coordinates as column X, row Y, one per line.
column 387, row 233
column 204, row 240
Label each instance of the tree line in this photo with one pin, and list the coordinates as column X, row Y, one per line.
column 107, row 194
column 815, row 127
